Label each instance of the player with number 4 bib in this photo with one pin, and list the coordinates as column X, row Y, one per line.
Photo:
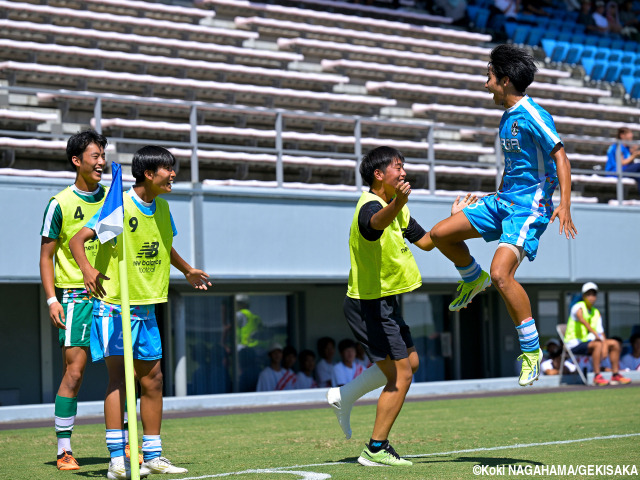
column 66, row 213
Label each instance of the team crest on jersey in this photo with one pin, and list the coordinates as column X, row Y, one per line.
column 514, row 128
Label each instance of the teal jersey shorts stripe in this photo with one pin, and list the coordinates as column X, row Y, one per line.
column 106, row 332
column 78, row 313
column 497, row 219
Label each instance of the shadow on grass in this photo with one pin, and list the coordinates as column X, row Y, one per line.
column 489, row 461
column 88, row 462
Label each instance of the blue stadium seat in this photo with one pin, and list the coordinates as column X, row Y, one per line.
column 574, row 53
column 578, row 28
column 625, row 71
column 548, row 44
column 629, row 81
column 628, row 58
column 615, row 55
column 521, row 33
column 535, row 36
column 588, row 64
column 617, row 44
column 612, row 72
column 552, row 34
column 636, row 62
column 560, row 51
column 564, row 36
column 591, row 40
column 602, row 53
column 598, row 70
column 478, row 16
column 510, row 28
column 604, row 42
column 579, row 38
column 629, row 47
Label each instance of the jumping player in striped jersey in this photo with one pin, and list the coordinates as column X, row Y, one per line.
column 519, row 212
column 66, row 213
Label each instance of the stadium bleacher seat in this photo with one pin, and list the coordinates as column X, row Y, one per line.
column 233, row 8
column 125, row 82
column 131, row 62
column 139, row 8
column 84, row 18
column 299, row 29
column 169, row 46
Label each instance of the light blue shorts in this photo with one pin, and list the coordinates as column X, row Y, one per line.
column 496, row 219
column 106, row 332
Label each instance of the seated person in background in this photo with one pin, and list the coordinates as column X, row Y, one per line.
column 324, row 368
column 613, row 19
column 629, row 154
column 535, row 7
column 304, row 378
column 629, row 21
column 275, row 377
column 361, row 356
column 585, row 336
column 347, row 369
column 631, row 360
column 600, row 19
column 585, row 17
column 551, row 366
column 605, row 364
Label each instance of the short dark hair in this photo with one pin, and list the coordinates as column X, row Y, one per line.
column 304, row 354
column 151, row 158
column 634, row 337
column 514, row 62
column 378, row 159
column 78, row 143
column 289, row 350
column 346, row 343
column 622, row 131
column 323, row 342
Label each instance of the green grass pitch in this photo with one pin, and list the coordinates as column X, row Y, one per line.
column 312, row 443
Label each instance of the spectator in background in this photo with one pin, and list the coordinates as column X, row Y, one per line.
column 535, row 7
column 613, row 19
column 585, row 17
column 605, row 364
column 629, row 154
column 585, row 336
column 551, row 366
column 324, row 368
column 631, row 360
column 347, row 369
column 274, row 376
column 304, row 378
column 629, row 20
column 361, row 356
column 600, row 18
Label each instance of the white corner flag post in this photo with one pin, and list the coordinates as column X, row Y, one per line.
column 111, row 225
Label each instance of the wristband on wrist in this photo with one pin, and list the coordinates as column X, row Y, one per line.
column 51, row 300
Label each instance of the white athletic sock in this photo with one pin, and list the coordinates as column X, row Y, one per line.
column 367, row 381
column 64, row 443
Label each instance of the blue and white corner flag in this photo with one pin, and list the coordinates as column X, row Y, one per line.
column 111, row 221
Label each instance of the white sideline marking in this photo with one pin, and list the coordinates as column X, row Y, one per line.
column 322, row 476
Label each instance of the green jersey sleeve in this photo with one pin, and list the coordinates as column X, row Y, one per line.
column 52, row 221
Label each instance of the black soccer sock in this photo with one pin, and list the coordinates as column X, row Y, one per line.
column 376, row 445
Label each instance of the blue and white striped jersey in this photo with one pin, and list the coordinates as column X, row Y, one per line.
column 528, row 135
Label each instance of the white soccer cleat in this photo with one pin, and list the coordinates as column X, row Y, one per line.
column 342, row 411
column 162, row 465
column 120, row 469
